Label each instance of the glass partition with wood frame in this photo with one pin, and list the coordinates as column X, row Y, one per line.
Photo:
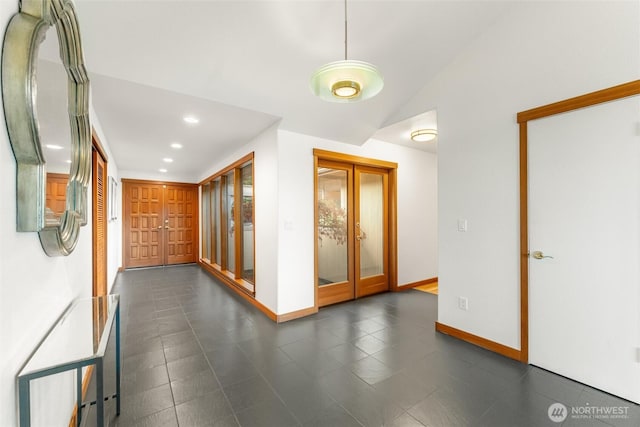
column 228, row 224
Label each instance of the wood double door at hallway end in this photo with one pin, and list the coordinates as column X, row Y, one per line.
column 160, row 224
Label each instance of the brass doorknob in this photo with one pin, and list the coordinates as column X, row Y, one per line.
column 539, row 255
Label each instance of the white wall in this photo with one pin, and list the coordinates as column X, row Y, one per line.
column 417, row 213
column 538, row 53
column 157, row 176
column 264, row 147
column 34, row 289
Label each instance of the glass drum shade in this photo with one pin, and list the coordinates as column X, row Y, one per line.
column 365, row 75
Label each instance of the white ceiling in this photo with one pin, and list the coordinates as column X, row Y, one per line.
column 241, row 66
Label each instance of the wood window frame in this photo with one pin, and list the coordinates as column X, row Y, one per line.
column 614, row 93
column 205, row 189
column 233, row 278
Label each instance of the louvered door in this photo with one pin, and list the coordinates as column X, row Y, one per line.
column 99, row 217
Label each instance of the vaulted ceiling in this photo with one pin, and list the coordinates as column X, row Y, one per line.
column 242, row 66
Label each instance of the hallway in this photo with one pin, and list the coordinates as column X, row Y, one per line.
column 195, row 354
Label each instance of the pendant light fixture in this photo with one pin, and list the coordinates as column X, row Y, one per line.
column 347, row 80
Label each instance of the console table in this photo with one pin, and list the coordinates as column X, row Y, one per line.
column 79, row 338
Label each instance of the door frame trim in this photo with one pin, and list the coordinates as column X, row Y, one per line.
column 392, row 169
column 621, row 91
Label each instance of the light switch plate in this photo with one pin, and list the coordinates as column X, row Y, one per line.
column 462, row 225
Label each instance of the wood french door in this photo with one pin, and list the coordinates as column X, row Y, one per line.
column 371, row 213
column 160, row 223
column 353, row 231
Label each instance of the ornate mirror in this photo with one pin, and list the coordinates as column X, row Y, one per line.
column 32, row 139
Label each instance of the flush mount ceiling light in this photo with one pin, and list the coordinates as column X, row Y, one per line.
column 176, row 145
column 347, row 80
column 163, row 170
column 424, row 135
column 167, row 160
column 54, row 147
column 191, row 120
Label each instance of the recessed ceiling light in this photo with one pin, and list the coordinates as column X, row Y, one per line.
column 176, row 145
column 167, row 160
column 192, row 120
column 68, row 161
column 163, row 170
column 54, row 147
column 424, row 135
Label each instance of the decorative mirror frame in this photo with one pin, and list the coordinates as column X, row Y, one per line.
column 25, row 33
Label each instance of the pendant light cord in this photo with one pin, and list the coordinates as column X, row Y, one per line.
column 345, row 30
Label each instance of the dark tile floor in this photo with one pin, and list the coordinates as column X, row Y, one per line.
column 195, row 354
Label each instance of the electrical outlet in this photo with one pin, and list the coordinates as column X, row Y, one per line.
column 463, row 303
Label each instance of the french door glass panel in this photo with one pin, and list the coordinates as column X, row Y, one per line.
column 332, row 226
column 247, row 223
column 370, row 228
column 231, row 247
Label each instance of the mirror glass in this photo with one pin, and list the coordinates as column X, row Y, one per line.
column 53, row 121
column 46, row 109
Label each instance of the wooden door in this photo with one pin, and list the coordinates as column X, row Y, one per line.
column 160, row 223
column 143, row 204
column 584, row 223
column 352, row 226
column 371, row 213
column 57, row 193
column 99, row 218
column 335, row 231
column 181, row 223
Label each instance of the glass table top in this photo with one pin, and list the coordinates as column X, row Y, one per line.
column 77, row 335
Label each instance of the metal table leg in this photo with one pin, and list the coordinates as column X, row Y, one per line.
column 100, row 391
